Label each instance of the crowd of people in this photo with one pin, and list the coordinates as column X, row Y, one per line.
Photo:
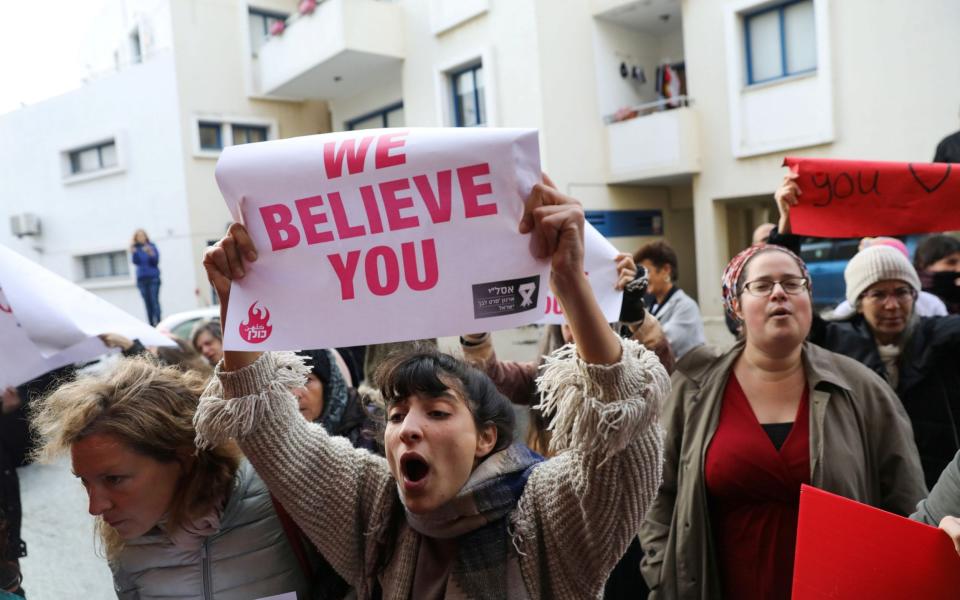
column 653, row 464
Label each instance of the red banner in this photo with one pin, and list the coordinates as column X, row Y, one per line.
column 852, row 198
column 850, row 550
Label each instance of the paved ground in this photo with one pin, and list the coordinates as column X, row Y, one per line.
column 63, row 563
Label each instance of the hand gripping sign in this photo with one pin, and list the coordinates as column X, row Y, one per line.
column 601, row 270
column 850, row 198
column 382, row 235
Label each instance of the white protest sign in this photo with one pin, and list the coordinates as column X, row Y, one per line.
column 601, row 270
column 57, row 314
column 381, row 236
column 21, row 360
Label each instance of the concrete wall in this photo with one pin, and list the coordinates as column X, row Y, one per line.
column 137, row 107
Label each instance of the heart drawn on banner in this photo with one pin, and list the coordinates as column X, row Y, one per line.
column 934, row 187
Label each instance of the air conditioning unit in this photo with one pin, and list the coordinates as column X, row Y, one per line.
column 24, row 224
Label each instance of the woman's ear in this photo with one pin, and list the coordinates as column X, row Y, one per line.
column 737, row 313
column 486, row 440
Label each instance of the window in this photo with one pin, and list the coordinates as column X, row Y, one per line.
column 105, row 264
column 467, row 88
column 211, row 137
column 781, row 41
column 260, row 23
column 247, row 134
column 214, row 136
column 391, row 116
column 93, row 158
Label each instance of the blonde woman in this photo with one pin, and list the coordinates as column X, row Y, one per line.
column 174, row 522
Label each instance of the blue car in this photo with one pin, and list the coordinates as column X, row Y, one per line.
column 826, row 259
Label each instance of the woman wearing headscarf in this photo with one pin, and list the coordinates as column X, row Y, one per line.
column 747, row 426
column 327, row 399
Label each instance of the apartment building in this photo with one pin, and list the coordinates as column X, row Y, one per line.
column 666, row 118
column 136, row 146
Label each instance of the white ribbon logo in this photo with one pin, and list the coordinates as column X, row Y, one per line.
column 526, row 293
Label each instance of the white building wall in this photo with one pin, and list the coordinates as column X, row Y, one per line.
column 95, row 214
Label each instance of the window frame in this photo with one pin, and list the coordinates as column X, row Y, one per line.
column 225, row 125
column 114, row 275
column 779, row 8
column 73, row 158
column 453, row 76
column 248, row 127
column 266, row 14
column 219, row 129
column 383, row 113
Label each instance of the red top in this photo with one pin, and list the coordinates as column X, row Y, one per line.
column 754, row 493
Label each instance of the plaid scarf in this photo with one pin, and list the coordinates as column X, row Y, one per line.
column 477, row 518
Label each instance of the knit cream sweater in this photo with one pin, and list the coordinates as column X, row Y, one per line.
column 578, row 512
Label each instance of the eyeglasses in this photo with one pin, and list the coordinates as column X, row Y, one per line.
column 764, row 287
column 903, row 295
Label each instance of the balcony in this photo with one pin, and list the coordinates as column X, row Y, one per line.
column 657, row 148
column 338, row 51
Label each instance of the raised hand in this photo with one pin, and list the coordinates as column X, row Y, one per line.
column 224, row 263
column 787, row 196
column 626, row 270
column 555, row 222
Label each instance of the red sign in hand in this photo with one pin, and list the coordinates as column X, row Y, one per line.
column 846, row 549
column 851, row 198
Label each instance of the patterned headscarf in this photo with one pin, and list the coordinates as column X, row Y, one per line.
column 735, row 267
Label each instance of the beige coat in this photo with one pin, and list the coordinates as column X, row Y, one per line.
column 861, row 447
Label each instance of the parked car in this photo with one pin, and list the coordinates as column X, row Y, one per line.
column 182, row 323
column 826, row 259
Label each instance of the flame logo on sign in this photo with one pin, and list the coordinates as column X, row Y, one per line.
column 257, row 328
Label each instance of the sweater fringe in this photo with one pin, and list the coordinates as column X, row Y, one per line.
column 583, row 417
column 219, row 419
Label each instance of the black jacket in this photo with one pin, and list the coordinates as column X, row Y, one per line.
column 11, row 546
column 929, row 385
column 948, row 150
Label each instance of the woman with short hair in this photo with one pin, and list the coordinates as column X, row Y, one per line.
column 677, row 312
column 207, row 339
column 746, row 427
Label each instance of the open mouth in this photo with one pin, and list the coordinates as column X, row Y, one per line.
column 413, row 467
column 779, row 312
